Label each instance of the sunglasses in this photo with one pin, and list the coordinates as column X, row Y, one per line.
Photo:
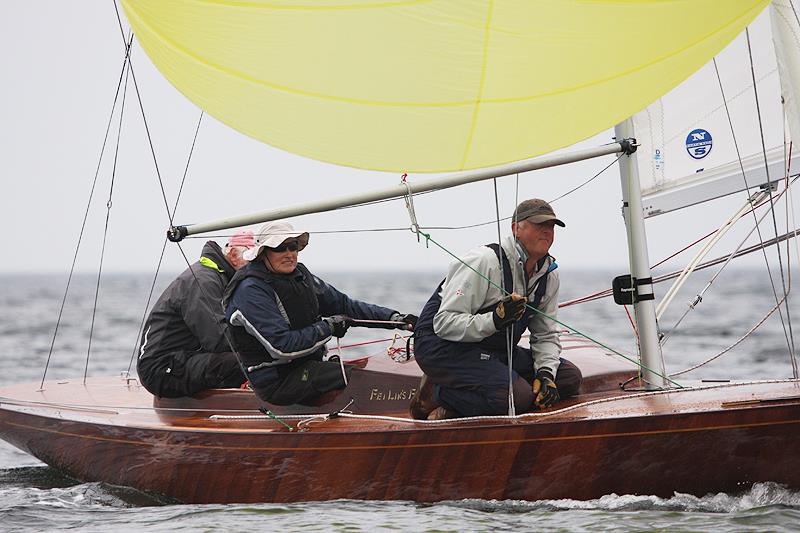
column 292, row 246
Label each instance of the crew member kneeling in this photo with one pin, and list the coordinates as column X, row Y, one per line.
column 460, row 341
column 282, row 315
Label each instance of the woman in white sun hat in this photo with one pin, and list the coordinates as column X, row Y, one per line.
column 282, row 315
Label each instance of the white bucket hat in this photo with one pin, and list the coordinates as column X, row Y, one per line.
column 272, row 234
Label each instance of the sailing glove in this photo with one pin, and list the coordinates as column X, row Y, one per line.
column 545, row 392
column 338, row 324
column 408, row 319
column 509, row 310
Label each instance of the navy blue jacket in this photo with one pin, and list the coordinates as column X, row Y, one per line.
column 256, row 301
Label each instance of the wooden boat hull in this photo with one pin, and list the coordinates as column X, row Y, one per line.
column 708, row 440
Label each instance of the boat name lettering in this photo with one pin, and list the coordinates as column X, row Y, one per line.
column 389, row 394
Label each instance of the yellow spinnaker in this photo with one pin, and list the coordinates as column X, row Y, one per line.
column 430, row 85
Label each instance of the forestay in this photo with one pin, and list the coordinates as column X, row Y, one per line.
column 430, row 86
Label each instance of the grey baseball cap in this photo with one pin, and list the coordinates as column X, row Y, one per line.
column 537, row 211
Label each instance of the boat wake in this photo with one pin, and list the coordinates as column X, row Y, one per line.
column 758, row 496
column 37, row 498
column 37, row 487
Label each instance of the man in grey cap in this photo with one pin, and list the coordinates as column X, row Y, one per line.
column 466, row 330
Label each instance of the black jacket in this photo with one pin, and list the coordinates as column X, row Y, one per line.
column 189, row 315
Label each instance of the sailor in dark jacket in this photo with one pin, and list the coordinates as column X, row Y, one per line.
column 183, row 349
column 282, row 315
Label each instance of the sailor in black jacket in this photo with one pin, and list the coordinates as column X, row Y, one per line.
column 282, row 316
column 183, row 349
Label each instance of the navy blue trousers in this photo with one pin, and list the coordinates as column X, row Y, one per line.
column 474, row 381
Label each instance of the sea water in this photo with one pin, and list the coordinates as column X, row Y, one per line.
column 34, row 497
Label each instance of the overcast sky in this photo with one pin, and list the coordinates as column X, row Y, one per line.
column 60, row 65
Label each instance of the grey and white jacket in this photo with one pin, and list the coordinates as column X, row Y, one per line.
column 464, row 293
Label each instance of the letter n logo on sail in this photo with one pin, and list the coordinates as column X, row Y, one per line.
column 698, row 143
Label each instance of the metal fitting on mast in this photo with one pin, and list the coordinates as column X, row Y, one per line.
column 628, row 145
column 177, row 233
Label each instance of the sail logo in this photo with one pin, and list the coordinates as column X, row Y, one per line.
column 699, row 143
column 658, row 158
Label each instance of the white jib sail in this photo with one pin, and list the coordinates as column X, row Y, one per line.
column 689, row 137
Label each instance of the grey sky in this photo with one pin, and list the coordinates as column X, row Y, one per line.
column 60, row 65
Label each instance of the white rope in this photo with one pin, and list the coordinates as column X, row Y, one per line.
column 699, row 296
column 512, row 409
column 341, row 361
column 668, row 297
column 121, row 409
column 519, row 417
column 409, row 200
column 565, row 409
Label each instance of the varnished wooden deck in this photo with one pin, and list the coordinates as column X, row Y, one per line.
column 715, row 437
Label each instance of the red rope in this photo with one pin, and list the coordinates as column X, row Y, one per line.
column 370, row 342
column 789, row 163
column 701, row 239
column 608, row 292
column 630, row 319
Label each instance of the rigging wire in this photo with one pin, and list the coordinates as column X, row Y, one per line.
column 687, row 247
column 614, row 162
column 86, row 213
column 732, row 346
column 699, row 297
column 160, row 180
column 689, row 268
column 665, row 277
column 744, row 177
column 788, row 206
column 794, row 11
column 700, row 120
column 789, row 334
column 790, row 202
column 204, row 300
column 510, row 330
column 108, row 218
column 144, row 119
column 512, row 408
column 164, row 244
column 672, row 275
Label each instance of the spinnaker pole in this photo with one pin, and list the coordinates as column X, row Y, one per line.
column 177, row 233
column 653, row 370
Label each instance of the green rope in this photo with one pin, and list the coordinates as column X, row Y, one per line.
column 272, row 416
column 428, row 238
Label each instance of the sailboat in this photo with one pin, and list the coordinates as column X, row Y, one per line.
column 226, row 446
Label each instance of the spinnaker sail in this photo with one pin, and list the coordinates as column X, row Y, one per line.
column 430, row 86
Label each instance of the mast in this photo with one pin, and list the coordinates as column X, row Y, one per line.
column 644, row 303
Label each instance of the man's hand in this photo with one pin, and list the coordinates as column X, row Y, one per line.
column 338, row 324
column 508, row 311
column 408, row 319
column 545, row 392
